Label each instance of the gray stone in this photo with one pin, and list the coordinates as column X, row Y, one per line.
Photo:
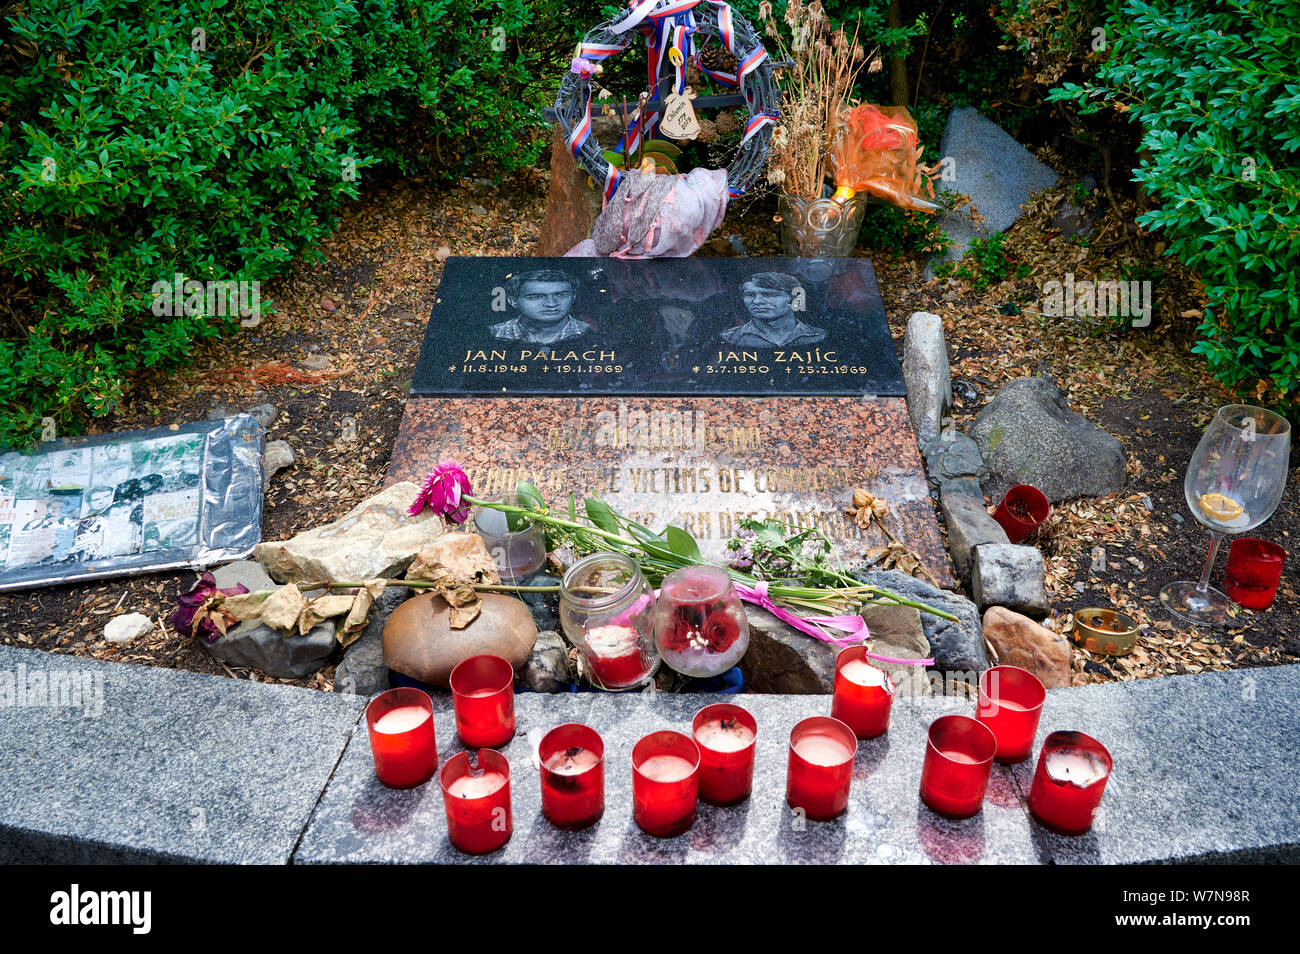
column 969, row 525
column 1098, row 560
column 896, row 631
column 1028, row 435
column 362, row 671
column 1204, row 768
column 167, row 766
column 954, row 463
column 781, row 659
column 249, row 573
column 276, row 456
column 375, row 538
column 256, row 646
column 360, row 821
column 998, row 174
column 926, row 374
column 545, row 607
column 1071, row 220
column 547, row 669
column 264, row 414
column 1011, row 575
column 956, row 646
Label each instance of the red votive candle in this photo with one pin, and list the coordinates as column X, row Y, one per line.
column 573, row 776
column 958, row 758
column 863, row 694
column 1253, row 573
column 727, row 736
column 477, row 800
column 1021, row 511
column 483, row 694
column 1010, row 702
column 1069, row 782
column 665, row 783
column 615, row 656
column 820, row 768
column 401, row 737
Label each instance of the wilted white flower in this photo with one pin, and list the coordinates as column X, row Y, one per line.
column 775, row 176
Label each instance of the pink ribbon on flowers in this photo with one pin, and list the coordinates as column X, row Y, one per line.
column 854, row 626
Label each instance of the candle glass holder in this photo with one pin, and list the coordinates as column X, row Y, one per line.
column 477, row 801
column 572, row 758
column 665, row 783
column 863, row 695
column 402, row 737
column 517, row 543
column 700, row 625
column 1254, row 570
column 1010, row 702
column 959, row 754
column 1022, row 511
column 483, row 695
column 607, row 611
column 727, row 737
column 1234, row 482
column 819, row 772
column 1069, row 781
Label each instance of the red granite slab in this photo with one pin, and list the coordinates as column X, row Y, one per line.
column 699, row 463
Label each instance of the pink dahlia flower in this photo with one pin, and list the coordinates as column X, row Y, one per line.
column 443, row 489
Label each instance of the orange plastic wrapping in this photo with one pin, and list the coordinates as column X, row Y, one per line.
column 875, row 152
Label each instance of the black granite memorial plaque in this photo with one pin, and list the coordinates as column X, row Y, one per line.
column 693, row 326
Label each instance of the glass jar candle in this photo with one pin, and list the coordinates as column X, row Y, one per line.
column 1069, row 781
column 700, row 625
column 607, row 611
column 517, row 544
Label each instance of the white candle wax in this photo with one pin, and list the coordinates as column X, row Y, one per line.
column 572, row 761
column 401, row 719
column 1076, row 766
column 666, row 768
column 862, row 673
column 724, row 735
column 476, row 786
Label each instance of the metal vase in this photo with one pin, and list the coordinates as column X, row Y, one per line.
column 821, row 228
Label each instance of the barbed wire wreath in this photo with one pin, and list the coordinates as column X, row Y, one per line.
column 669, row 25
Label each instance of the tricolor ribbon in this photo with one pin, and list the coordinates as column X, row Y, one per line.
column 854, row 626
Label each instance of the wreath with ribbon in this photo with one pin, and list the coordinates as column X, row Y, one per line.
column 686, row 26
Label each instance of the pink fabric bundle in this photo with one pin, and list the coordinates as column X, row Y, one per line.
column 658, row 216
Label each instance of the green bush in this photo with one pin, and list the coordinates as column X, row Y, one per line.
column 1213, row 87
column 216, row 140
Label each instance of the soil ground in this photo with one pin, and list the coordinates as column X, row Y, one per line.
column 349, row 327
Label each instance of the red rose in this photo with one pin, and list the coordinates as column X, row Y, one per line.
column 720, row 631
column 678, row 637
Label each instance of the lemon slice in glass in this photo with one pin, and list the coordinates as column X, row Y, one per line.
column 1221, row 508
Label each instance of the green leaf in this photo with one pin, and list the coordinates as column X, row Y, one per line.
column 601, row 515
column 683, row 544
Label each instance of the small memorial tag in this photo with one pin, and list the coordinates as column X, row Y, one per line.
column 678, row 120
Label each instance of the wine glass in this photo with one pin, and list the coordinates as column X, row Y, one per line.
column 1233, row 484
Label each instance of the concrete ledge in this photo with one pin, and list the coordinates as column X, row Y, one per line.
column 154, row 765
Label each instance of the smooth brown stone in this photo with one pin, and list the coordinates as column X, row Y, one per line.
column 1019, row 641
column 813, row 450
column 571, row 204
column 419, row 642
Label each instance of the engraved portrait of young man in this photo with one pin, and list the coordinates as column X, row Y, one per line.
column 542, row 300
column 769, row 298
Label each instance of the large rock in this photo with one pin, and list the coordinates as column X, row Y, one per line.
column 256, row 646
column 1019, row 641
column 780, row 659
column 998, row 174
column 419, row 641
column 362, row 671
column 926, row 374
column 897, row 631
column 953, row 461
column 1010, row 575
column 547, row 669
column 375, row 538
column 969, row 525
column 956, row 646
column 1028, row 435
column 571, row 204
